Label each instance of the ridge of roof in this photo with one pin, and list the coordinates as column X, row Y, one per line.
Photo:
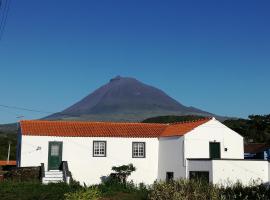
column 92, row 122
column 180, row 129
column 106, row 129
column 191, row 121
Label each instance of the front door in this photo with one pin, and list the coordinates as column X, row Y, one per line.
column 214, row 150
column 55, row 155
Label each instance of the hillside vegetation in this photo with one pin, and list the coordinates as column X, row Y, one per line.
column 254, row 129
column 172, row 119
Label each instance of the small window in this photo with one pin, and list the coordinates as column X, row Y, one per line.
column 99, row 149
column 54, row 150
column 138, row 149
column 169, row 176
column 199, row 175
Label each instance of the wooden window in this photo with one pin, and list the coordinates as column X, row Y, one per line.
column 99, row 148
column 138, row 149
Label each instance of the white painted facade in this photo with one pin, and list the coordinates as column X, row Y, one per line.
column 226, row 172
column 164, row 154
column 174, row 151
column 171, row 157
column 78, row 152
column 197, row 141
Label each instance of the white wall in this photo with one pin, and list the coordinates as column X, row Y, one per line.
column 86, row 168
column 230, row 171
column 197, row 141
column 245, row 171
column 171, row 157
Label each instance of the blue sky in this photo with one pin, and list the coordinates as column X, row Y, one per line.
column 214, row 55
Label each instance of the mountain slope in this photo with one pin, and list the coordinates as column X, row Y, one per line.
column 125, row 99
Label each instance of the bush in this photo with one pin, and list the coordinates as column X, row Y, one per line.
column 111, row 188
column 122, row 172
column 11, row 190
column 183, row 190
column 90, row 193
column 191, row 190
column 238, row 191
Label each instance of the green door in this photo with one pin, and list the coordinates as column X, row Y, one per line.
column 214, row 150
column 55, row 155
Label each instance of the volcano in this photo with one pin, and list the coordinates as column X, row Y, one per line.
column 125, row 99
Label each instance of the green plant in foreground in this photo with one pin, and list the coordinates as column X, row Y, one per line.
column 122, row 172
column 90, row 193
column 183, row 190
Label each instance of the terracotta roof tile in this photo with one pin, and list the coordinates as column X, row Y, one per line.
column 179, row 129
column 106, row 129
column 4, row 162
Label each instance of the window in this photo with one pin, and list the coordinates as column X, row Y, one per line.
column 99, row 149
column 199, row 175
column 138, row 150
column 54, row 150
column 169, row 176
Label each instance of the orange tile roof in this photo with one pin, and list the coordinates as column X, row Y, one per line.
column 4, row 162
column 179, row 129
column 106, row 129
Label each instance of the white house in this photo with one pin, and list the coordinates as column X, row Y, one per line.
column 202, row 148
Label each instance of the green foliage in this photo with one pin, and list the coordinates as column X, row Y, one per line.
column 128, row 190
column 90, row 193
column 254, row 129
column 172, row 119
column 238, row 191
column 183, row 190
column 175, row 190
column 5, row 138
column 122, row 172
column 200, row 190
column 11, row 190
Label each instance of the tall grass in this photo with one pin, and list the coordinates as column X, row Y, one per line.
column 15, row 190
column 183, row 190
column 199, row 190
column 175, row 190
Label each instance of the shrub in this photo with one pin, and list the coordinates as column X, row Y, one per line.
column 122, row 172
column 90, row 193
column 111, row 188
column 183, row 190
column 14, row 190
column 238, row 191
column 191, row 190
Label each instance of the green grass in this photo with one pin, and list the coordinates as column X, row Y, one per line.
column 10, row 190
column 176, row 190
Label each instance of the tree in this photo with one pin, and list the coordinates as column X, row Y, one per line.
column 122, row 172
column 254, row 129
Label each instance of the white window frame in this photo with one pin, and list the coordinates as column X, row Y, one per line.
column 138, row 150
column 99, row 148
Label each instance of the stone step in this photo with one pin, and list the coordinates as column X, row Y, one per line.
column 54, row 175
column 50, row 173
column 51, row 181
